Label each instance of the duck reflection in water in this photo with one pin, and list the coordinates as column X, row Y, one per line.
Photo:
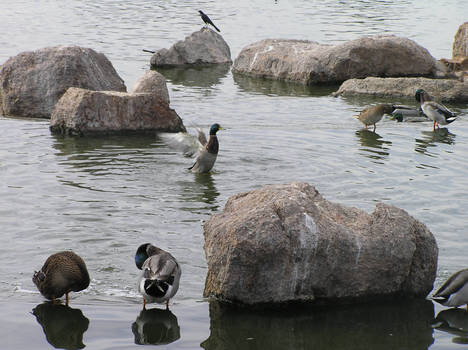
column 432, row 138
column 63, row 326
column 374, row 146
column 156, row 326
column 453, row 321
column 209, row 192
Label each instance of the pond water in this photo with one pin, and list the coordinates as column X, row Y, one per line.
column 104, row 196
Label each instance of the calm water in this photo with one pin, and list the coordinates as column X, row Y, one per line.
column 102, row 197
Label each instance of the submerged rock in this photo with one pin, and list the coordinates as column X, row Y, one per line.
column 444, row 90
column 82, row 112
column 32, row 82
column 152, row 82
column 309, row 62
column 286, row 243
column 202, row 47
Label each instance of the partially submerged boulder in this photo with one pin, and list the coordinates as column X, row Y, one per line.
column 152, row 82
column 200, row 48
column 286, row 243
column 309, row 62
column 444, row 90
column 460, row 43
column 32, row 82
column 83, row 112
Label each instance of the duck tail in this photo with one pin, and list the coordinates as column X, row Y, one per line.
column 451, row 119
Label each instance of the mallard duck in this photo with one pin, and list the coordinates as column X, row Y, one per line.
column 159, row 280
column 207, row 155
column 372, row 114
column 408, row 114
column 62, row 273
column 454, row 292
column 436, row 112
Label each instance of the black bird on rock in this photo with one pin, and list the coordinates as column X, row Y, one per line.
column 207, row 20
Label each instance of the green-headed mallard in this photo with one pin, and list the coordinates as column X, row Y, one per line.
column 62, row 273
column 207, row 155
column 159, row 280
column 454, row 292
column 436, row 112
column 372, row 114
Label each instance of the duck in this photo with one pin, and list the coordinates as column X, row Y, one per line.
column 209, row 152
column 372, row 114
column 454, row 292
column 436, row 112
column 160, row 276
column 408, row 114
column 62, row 273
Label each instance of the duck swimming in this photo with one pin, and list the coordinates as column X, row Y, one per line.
column 62, row 273
column 454, row 292
column 159, row 280
column 372, row 114
column 208, row 154
column 436, row 112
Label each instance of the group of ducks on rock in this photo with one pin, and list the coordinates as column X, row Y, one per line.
column 438, row 113
column 66, row 272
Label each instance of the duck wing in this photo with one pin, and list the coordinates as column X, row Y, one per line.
column 161, row 267
column 442, row 110
column 452, row 285
column 184, row 142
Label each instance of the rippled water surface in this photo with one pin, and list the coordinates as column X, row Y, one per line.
column 103, row 196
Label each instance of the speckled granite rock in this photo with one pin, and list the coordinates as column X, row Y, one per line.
column 32, row 82
column 309, row 62
column 460, row 42
column 152, row 82
column 286, row 243
column 200, row 48
column 84, row 112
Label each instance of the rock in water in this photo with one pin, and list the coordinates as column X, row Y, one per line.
column 83, row 112
column 32, row 82
column 286, row 243
column 200, row 48
column 309, row 62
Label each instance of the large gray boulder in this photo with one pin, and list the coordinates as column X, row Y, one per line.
column 202, row 47
column 152, row 82
column 444, row 90
column 286, row 243
column 84, row 112
column 460, row 43
column 32, row 82
column 309, row 62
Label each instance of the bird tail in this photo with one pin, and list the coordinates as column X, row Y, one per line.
column 451, row 119
column 216, row 28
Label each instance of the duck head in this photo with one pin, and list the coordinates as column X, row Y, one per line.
column 215, row 128
column 141, row 255
column 420, row 95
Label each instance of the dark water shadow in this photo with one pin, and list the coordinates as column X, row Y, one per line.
column 63, row 326
column 392, row 325
column 273, row 87
column 453, row 321
column 431, row 138
column 201, row 76
column 373, row 145
column 155, row 326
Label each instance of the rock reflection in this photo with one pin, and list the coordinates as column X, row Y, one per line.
column 156, row 326
column 374, row 146
column 63, row 326
column 278, row 87
column 202, row 76
column 392, row 325
column 432, row 138
column 453, row 321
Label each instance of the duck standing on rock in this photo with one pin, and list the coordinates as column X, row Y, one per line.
column 159, row 280
column 62, row 273
column 436, row 112
column 372, row 114
column 207, row 20
column 454, row 292
column 208, row 154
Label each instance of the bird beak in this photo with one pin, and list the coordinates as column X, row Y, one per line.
column 221, row 128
